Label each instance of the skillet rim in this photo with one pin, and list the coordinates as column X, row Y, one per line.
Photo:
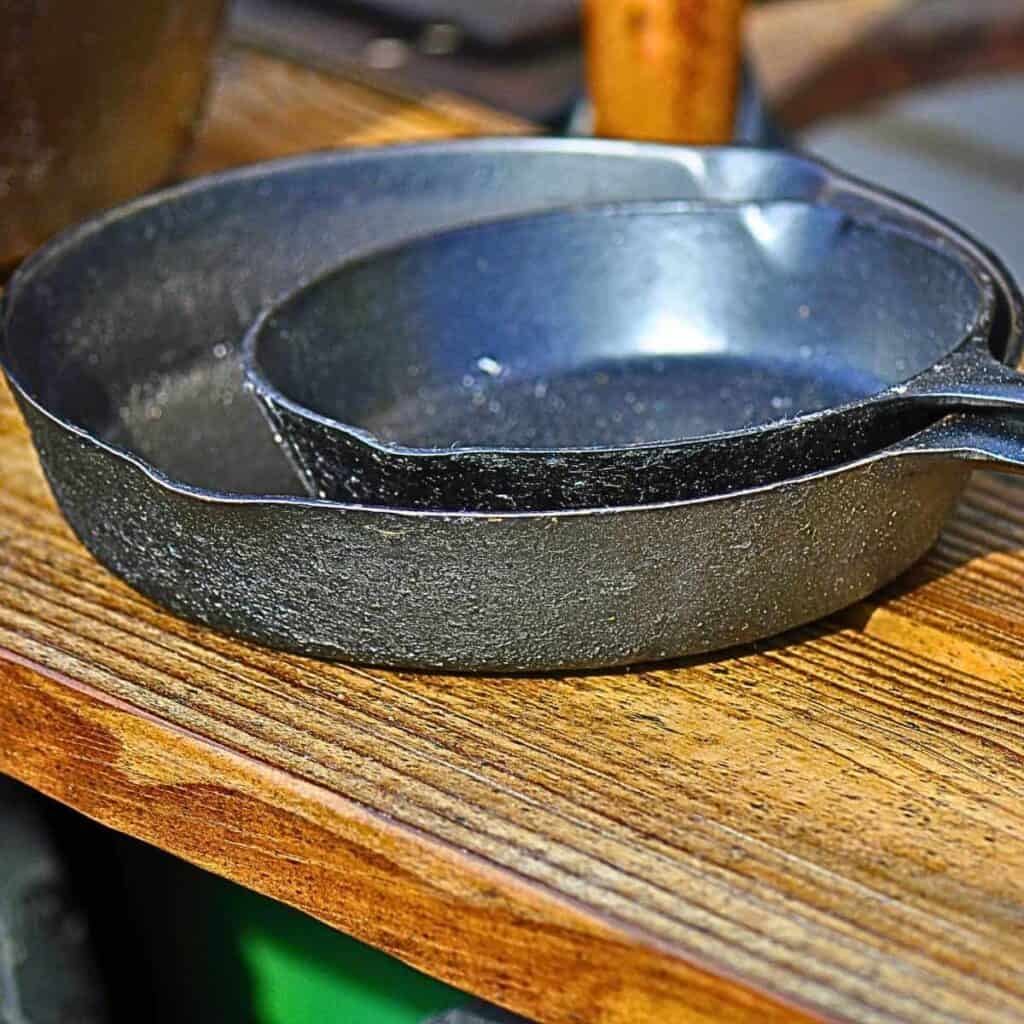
column 921, row 233
column 1007, row 293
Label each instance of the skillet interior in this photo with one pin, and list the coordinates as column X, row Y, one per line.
column 128, row 327
column 615, row 326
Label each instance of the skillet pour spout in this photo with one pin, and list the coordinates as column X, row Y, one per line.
column 119, row 345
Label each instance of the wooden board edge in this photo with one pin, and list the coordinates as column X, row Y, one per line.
column 439, row 909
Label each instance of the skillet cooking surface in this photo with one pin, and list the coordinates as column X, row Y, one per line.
column 615, row 355
column 619, row 401
column 619, row 325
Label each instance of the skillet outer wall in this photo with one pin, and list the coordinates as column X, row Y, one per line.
column 532, row 593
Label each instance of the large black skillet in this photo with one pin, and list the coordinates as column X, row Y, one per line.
column 627, row 354
column 119, row 342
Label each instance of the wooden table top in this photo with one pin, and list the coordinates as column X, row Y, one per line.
column 827, row 826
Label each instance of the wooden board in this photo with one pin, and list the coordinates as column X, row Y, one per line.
column 664, row 70
column 818, row 58
column 262, row 107
column 825, row 827
column 794, row 41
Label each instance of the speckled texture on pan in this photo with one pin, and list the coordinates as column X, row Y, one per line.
column 120, row 345
column 631, row 353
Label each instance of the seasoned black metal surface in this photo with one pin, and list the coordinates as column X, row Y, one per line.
column 614, row 355
column 120, row 345
column 615, row 400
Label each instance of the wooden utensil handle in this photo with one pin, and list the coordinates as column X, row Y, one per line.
column 664, row 69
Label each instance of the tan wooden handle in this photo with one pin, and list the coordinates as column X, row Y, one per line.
column 664, row 69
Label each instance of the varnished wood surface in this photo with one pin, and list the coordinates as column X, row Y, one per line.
column 827, row 827
column 663, row 70
column 831, row 821
column 263, row 107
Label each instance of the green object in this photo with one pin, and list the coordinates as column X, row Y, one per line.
column 217, row 953
column 302, row 971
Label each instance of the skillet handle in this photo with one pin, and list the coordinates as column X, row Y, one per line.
column 972, row 378
column 992, row 440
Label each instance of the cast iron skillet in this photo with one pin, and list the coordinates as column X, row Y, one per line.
column 119, row 345
column 627, row 354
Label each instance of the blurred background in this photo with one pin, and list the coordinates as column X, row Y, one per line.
column 106, row 100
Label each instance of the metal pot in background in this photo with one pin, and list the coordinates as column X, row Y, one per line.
column 99, row 100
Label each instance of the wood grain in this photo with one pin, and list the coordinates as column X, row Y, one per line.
column 664, row 70
column 831, row 821
column 866, row 50
column 826, row 827
column 263, row 107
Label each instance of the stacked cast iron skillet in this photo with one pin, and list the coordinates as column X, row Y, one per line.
column 532, row 404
